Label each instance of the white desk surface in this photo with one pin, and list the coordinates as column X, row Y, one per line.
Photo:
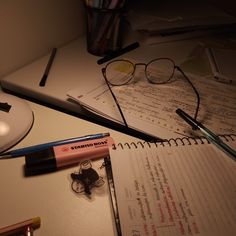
column 50, row 196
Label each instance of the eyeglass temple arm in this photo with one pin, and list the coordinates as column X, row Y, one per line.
column 117, row 103
column 194, row 89
column 135, row 133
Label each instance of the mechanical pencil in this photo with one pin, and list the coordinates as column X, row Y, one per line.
column 25, row 227
column 208, row 134
column 35, row 148
column 117, row 53
column 57, row 157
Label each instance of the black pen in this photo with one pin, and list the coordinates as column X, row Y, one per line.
column 208, row 134
column 48, row 67
column 118, row 52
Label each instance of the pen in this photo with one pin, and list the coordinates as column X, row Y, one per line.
column 222, row 78
column 117, row 53
column 39, row 147
column 25, row 227
column 215, row 69
column 208, row 134
column 107, row 164
column 48, row 67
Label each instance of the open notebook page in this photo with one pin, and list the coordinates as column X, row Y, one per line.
column 175, row 190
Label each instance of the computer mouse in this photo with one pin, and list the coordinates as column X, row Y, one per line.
column 16, row 119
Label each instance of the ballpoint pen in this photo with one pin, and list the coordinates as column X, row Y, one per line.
column 208, row 134
column 215, row 68
column 39, row 147
column 107, row 164
column 117, row 53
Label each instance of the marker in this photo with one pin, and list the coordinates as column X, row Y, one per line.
column 25, row 227
column 39, row 147
column 117, row 53
column 57, row 157
column 48, row 67
column 208, row 134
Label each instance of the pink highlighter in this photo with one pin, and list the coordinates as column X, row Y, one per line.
column 61, row 156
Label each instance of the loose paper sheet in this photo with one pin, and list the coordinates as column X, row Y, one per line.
column 151, row 108
column 175, row 191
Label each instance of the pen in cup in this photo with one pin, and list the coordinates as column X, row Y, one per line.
column 213, row 138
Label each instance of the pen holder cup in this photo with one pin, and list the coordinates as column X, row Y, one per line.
column 103, row 30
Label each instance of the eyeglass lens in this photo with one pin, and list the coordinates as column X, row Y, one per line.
column 119, row 72
column 158, row 71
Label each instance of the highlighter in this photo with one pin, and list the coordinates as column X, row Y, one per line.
column 62, row 156
column 22, row 228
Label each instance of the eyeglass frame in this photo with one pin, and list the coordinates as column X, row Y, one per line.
column 175, row 67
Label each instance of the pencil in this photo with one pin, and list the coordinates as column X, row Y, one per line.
column 48, row 67
column 27, row 150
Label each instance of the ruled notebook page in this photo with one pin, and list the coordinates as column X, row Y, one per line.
column 177, row 190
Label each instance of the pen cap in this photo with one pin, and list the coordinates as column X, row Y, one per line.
column 40, row 162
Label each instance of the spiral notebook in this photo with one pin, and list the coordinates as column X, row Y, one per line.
column 179, row 187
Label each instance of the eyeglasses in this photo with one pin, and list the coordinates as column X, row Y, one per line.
column 157, row 71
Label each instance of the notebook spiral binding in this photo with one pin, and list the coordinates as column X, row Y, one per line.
column 174, row 141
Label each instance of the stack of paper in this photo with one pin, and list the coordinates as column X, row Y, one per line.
column 151, row 108
column 170, row 20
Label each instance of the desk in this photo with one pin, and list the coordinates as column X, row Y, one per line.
column 72, row 66
column 50, row 196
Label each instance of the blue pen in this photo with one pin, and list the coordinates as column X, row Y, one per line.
column 213, row 138
column 39, row 147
